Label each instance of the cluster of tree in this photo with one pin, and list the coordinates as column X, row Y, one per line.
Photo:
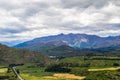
column 4, row 77
column 57, row 68
column 61, row 69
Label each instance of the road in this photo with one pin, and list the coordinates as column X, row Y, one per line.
column 14, row 70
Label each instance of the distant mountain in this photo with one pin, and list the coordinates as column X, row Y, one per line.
column 72, row 40
column 11, row 43
column 15, row 56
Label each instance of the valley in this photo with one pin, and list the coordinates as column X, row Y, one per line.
column 48, row 58
column 59, row 40
column 80, row 69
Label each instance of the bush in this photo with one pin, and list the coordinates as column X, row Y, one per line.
column 118, row 70
column 57, row 68
column 4, row 77
column 115, row 64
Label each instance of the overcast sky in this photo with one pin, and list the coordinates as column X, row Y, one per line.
column 26, row 19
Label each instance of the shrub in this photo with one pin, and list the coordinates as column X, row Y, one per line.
column 57, row 68
column 118, row 70
column 115, row 64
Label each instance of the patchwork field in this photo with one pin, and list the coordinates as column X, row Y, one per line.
column 39, row 74
column 77, row 68
column 54, row 77
column 65, row 76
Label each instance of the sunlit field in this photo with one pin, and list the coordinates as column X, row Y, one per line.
column 39, row 74
column 54, row 77
column 3, row 71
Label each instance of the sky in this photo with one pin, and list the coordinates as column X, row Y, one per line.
column 22, row 20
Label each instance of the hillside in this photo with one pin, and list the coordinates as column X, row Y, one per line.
column 112, row 50
column 73, row 40
column 65, row 51
column 11, row 56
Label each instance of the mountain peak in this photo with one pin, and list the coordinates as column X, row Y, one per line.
column 73, row 40
column 61, row 34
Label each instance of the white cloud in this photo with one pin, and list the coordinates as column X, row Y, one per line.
column 27, row 19
column 115, row 20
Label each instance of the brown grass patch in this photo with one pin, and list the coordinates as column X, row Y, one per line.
column 65, row 76
column 3, row 70
column 104, row 69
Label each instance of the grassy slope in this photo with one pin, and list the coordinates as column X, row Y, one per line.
column 10, row 55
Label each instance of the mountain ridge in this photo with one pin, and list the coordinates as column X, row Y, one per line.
column 73, row 40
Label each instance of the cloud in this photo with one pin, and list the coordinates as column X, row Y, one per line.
column 84, row 3
column 27, row 19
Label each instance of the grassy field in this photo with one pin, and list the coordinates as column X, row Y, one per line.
column 40, row 74
column 95, row 69
column 54, row 77
column 82, row 62
column 3, row 71
column 103, row 75
column 35, row 71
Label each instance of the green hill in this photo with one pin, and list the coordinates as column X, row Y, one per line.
column 15, row 56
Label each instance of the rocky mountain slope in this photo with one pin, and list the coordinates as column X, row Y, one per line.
column 72, row 40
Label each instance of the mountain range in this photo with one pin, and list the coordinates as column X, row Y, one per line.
column 72, row 40
column 59, row 45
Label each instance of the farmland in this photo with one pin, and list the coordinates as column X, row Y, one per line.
column 80, row 69
column 36, row 66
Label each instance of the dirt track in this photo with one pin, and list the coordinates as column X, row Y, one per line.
column 104, row 69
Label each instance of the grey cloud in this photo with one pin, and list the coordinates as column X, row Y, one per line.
column 30, row 9
column 13, row 28
column 8, row 5
column 11, row 31
column 111, row 26
column 84, row 3
column 40, row 18
column 91, row 28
